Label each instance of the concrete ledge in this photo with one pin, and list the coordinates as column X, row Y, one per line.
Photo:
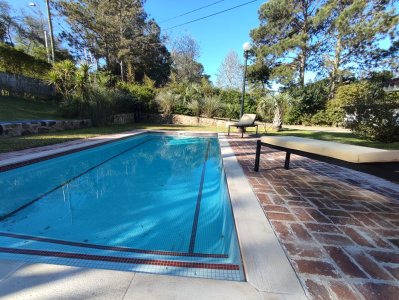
column 266, row 266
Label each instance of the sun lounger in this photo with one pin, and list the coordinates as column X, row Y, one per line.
column 379, row 162
column 247, row 120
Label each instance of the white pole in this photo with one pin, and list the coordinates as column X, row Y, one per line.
column 46, row 43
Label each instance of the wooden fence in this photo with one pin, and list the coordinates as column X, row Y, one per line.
column 21, row 86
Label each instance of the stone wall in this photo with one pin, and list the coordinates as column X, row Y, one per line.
column 123, row 119
column 184, row 120
column 10, row 129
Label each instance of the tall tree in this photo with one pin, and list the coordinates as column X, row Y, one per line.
column 30, row 37
column 353, row 38
column 286, row 38
column 117, row 31
column 185, row 53
column 230, row 72
column 8, row 23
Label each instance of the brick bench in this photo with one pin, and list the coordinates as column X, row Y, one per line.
column 379, row 162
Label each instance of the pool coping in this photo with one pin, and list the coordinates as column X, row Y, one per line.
column 267, row 268
column 265, row 263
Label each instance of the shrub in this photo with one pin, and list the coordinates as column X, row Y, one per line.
column 99, row 105
column 18, row 62
column 196, row 107
column 167, row 101
column 308, row 100
column 321, row 118
column 63, row 76
column 142, row 95
column 373, row 112
column 212, row 105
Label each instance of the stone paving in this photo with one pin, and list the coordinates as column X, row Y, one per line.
column 338, row 227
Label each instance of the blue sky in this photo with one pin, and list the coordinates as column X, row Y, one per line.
column 216, row 35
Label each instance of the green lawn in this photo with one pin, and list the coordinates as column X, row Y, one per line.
column 24, row 142
column 13, row 109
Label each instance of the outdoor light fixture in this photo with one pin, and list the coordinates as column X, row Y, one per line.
column 246, row 47
column 50, row 25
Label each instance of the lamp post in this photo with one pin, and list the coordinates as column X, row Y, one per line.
column 50, row 25
column 32, row 4
column 246, row 47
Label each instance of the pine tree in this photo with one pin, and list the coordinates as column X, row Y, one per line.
column 287, row 37
column 353, row 38
column 117, row 31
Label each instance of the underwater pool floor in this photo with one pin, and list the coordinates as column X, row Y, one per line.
column 151, row 203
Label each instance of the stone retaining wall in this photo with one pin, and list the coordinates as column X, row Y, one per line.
column 10, row 129
column 123, row 119
column 183, row 120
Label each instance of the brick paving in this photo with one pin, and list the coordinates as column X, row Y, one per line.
column 338, row 227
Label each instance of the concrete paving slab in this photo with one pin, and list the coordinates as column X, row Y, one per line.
column 44, row 281
column 156, row 287
column 7, row 267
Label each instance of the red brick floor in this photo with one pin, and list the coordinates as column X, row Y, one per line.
column 338, row 227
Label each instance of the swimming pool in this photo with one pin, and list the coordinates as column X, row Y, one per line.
column 150, row 203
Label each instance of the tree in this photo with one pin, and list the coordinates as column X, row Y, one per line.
column 185, row 67
column 355, row 30
column 286, row 38
column 274, row 104
column 8, row 23
column 119, row 33
column 30, row 37
column 230, row 73
column 258, row 75
column 150, row 56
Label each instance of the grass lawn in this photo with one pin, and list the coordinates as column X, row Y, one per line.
column 13, row 109
column 24, row 142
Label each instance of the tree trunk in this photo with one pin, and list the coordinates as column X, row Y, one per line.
column 122, row 71
column 278, row 119
column 304, row 54
column 130, row 72
column 337, row 59
column 302, row 68
column 334, row 78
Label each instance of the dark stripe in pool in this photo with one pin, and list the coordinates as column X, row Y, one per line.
column 111, row 248
column 117, row 259
column 198, row 205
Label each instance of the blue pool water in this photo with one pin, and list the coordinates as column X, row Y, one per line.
column 148, row 199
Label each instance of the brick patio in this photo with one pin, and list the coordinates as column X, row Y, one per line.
column 339, row 228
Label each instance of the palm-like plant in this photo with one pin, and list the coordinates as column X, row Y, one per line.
column 276, row 105
column 212, row 105
column 62, row 75
column 167, row 101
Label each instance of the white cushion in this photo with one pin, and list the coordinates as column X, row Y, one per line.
column 350, row 153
